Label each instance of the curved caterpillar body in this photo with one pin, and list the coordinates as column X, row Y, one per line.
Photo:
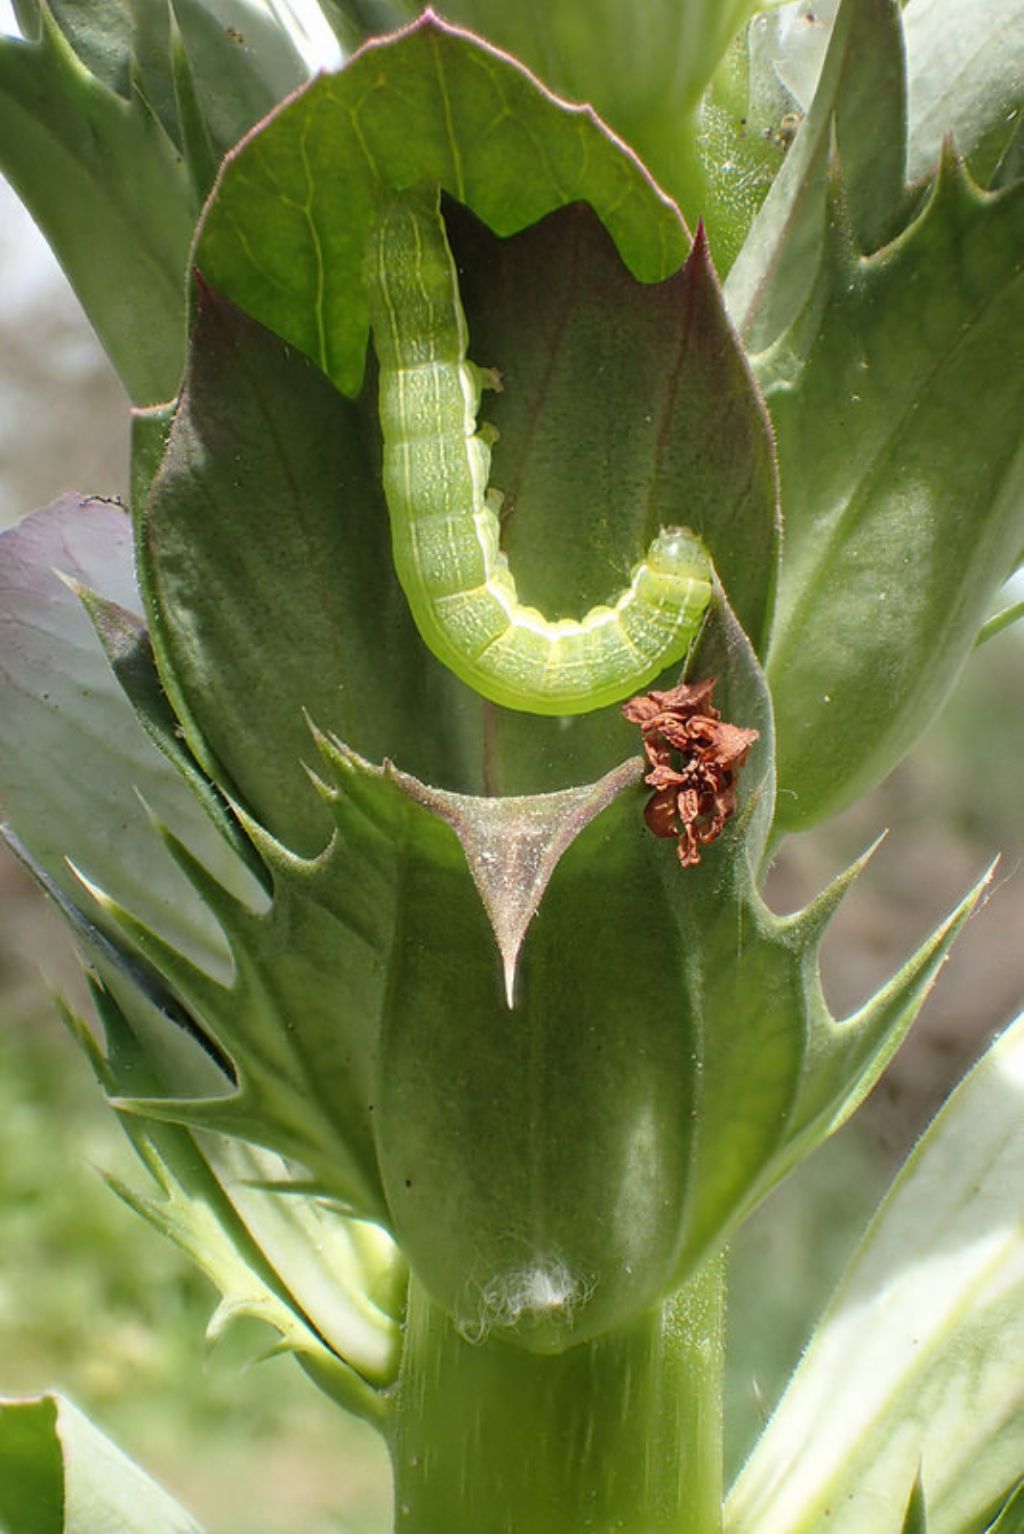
column 444, row 525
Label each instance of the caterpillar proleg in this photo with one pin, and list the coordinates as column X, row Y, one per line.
column 444, row 524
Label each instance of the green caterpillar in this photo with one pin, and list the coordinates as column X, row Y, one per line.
column 444, row 524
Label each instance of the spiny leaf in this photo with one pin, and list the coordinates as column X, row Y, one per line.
column 899, row 433
column 288, row 1262
column 664, row 1003
column 513, row 845
column 193, row 1057
column 966, row 77
column 301, row 1019
column 859, row 109
column 369, row 1030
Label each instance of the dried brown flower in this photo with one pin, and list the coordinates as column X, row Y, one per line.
column 693, row 759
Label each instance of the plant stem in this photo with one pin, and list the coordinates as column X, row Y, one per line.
column 620, row 1435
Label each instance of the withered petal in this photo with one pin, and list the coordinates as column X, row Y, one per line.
column 733, row 743
column 664, row 776
column 660, row 813
column 693, row 758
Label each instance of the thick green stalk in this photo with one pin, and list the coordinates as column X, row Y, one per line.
column 621, row 1435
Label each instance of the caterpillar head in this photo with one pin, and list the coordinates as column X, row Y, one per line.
column 678, row 552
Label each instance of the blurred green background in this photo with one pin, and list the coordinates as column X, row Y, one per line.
column 94, row 1303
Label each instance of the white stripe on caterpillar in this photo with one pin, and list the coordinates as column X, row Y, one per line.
column 444, row 524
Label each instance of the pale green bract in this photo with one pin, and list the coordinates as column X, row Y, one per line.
column 444, row 522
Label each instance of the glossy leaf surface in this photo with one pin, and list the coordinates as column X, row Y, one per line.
column 73, row 759
column 897, row 398
column 966, row 76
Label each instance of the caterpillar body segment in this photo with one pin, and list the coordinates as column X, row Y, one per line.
column 444, row 526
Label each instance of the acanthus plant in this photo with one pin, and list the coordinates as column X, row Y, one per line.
column 442, row 1065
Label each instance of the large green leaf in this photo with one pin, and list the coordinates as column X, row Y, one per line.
column 920, row 1356
column 579, row 47
column 60, row 1475
column 898, row 398
column 368, row 1022
column 434, row 105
